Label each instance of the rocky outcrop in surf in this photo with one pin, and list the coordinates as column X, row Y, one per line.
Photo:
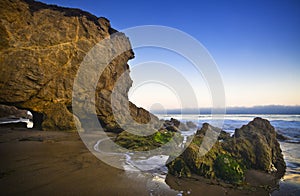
column 253, row 146
column 256, row 144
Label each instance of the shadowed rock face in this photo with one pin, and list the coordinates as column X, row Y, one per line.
column 257, row 145
column 253, row 146
column 41, row 49
column 13, row 112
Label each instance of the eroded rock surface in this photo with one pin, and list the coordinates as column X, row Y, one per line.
column 253, row 146
column 256, row 144
column 13, row 112
column 41, row 49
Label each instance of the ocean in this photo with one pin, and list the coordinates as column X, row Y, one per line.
column 287, row 125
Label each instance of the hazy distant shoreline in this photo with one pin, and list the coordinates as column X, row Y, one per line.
column 270, row 109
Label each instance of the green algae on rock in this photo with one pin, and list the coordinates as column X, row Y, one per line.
column 168, row 131
column 229, row 169
column 144, row 143
column 190, row 160
column 254, row 146
column 178, row 168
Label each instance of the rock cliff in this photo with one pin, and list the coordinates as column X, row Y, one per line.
column 41, row 48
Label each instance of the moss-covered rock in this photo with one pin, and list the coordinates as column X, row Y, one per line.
column 254, row 146
column 193, row 160
column 150, row 142
column 162, row 137
column 224, row 135
column 229, row 169
column 179, row 168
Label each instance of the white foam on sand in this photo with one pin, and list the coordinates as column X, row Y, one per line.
column 13, row 120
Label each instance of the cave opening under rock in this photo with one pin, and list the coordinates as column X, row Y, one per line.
column 37, row 119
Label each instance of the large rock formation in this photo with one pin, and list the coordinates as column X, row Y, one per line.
column 256, row 144
column 253, row 146
column 210, row 164
column 41, row 49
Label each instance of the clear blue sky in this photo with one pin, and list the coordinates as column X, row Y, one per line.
column 256, row 44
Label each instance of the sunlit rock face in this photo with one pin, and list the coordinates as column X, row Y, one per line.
column 41, row 49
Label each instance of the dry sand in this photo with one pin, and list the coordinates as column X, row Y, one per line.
column 58, row 163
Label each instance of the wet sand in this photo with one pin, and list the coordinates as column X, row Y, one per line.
column 58, row 163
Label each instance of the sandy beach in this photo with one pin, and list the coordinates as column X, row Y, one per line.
column 39, row 162
column 57, row 163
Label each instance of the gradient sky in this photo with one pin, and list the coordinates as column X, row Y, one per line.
column 256, row 44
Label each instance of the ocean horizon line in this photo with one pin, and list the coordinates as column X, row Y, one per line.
column 268, row 109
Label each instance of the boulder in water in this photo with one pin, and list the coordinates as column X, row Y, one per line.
column 253, row 146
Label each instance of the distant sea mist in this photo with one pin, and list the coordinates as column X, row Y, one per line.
column 270, row 109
